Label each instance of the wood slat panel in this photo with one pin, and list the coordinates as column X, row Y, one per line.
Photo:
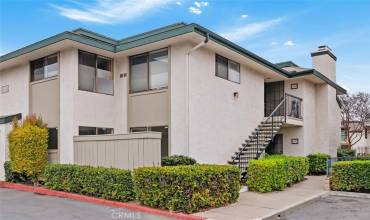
column 120, row 151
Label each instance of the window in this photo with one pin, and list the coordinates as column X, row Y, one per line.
column 53, row 138
column 149, row 71
column 83, row 130
column 95, row 73
column 44, row 67
column 227, row 69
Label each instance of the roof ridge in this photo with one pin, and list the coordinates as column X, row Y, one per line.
column 154, row 31
column 92, row 34
column 287, row 63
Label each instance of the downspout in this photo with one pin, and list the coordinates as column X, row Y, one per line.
column 187, row 94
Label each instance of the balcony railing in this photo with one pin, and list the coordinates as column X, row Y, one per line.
column 293, row 106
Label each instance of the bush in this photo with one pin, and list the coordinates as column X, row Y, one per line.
column 344, row 152
column 11, row 176
column 187, row 188
column 351, row 176
column 107, row 183
column 318, row 163
column 176, row 160
column 276, row 172
column 28, row 147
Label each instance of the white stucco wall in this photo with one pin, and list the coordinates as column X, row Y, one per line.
column 218, row 122
column 82, row 108
column 177, row 127
column 17, row 99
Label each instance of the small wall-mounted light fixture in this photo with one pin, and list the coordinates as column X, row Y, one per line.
column 294, row 141
column 236, row 95
column 294, row 86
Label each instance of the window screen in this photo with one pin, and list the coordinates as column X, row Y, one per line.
column 53, row 138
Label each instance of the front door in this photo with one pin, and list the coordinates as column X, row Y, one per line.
column 276, row 145
column 274, row 94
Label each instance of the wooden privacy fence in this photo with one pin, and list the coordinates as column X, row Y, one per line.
column 125, row 151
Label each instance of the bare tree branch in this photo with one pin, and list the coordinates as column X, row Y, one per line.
column 354, row 113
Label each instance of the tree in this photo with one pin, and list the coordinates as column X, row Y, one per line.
column 355, row 112
column 28, row 147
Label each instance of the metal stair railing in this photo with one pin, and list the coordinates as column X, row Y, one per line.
column 257, row 146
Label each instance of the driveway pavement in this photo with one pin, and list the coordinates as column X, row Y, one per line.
column 253, row 205
column 331, row 208
column 19, row 205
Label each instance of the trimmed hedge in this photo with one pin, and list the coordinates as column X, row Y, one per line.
column 318, row 163
column 107, row 183
column 176, row 160
column 187, row 188
column 14, row 177
column 28, row 147
column 351, row 176
column 276, row 172
column 344, row 152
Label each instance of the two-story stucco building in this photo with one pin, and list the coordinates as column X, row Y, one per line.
column 205, row 94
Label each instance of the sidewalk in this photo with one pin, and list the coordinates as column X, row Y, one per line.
column 252, row 205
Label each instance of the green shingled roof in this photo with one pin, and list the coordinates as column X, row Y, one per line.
column 106, row 43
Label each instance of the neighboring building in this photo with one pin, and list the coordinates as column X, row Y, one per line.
column 204, row 93
column 362, row 145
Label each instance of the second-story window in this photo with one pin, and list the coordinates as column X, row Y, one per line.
column 44, row 67
column 149, row 71
column 227, row 69
column 95, row 73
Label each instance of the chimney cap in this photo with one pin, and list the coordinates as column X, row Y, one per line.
column 324, row 49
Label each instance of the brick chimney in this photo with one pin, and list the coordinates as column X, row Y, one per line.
column 324, row 61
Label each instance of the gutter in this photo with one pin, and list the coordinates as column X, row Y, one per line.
column 187, row 93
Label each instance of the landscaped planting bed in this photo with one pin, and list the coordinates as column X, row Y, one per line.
column 318, row 163
column 187, row 188
column 107, row 183
column 351, row 176
column 276, row 172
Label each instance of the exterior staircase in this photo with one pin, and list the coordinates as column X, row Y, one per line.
column 254, row 147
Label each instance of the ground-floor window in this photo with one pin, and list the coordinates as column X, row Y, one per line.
column 84, row 130
column 164, row 140
column 53, row 139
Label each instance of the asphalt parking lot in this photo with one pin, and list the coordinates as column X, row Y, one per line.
column 331, row 208
column 19, row 205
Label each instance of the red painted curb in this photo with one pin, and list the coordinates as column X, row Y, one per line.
column 83, row 198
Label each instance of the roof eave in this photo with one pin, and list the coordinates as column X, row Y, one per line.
column 321, row 76
column 55, row 39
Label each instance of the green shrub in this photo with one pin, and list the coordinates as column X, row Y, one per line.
column 276, row 172
column 318, row 163
column 344, row 152
column 351, row 176
column 363, row 157
column 28, row 145
column 107, row 183
column 176, row 160
column 14, row 177
column 187, row 188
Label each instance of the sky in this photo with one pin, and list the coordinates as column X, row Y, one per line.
column 277, row 30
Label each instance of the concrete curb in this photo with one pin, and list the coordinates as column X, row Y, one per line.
column 277, row 212
column 100, row 201
column 350, row 194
